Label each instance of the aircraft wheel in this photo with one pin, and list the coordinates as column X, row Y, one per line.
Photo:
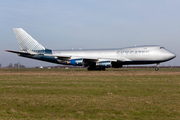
column 89, row 68
column 98, row 68
column 156, row 69
column 103, row 69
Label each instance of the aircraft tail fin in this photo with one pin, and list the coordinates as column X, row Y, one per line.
column 26, row 42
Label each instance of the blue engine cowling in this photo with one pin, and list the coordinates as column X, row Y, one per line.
column 104, row 64
column 76, row 62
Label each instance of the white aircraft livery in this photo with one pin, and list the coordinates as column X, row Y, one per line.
column 94, row 59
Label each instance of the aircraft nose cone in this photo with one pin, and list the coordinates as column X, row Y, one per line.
column 171, row 55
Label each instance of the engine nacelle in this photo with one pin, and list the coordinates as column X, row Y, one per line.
column 104, row 64
column 77, row 62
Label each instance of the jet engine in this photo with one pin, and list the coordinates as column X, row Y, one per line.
column 104, row 64
column 77, row 62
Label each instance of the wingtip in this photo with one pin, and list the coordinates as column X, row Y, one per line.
column 6, row 50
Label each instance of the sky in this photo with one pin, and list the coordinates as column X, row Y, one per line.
column 66, row 24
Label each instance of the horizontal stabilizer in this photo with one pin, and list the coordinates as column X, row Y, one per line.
column 23, row 52
column 18, row 52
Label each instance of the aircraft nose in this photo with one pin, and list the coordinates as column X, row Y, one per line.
column 171, row 55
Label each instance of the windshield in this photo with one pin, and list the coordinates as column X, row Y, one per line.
column 161, row 47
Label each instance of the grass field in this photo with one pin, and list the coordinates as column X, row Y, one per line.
column 79, row 94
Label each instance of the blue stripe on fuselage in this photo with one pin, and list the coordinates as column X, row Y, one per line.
column 48, row 58
column 42, row 57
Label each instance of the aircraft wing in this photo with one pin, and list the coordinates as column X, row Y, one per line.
column 87, row 58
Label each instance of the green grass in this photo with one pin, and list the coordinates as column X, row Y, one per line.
column 71, row 94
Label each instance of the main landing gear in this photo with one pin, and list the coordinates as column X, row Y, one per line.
column 96, row 68
column 157, row 67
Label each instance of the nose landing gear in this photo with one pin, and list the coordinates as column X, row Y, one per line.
column 157, row 67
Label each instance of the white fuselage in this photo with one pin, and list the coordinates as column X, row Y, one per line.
column 151, row 54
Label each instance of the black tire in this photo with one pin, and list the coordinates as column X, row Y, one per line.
column 89, row 68
column 156, row 69
column 103, row 68
column 98, row 68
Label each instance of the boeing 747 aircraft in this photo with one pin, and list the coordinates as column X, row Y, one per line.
column 94, row 59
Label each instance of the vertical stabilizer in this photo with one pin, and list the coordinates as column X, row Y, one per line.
column 26, row 42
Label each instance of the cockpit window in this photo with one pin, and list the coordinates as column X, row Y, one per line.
column 161, row 47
